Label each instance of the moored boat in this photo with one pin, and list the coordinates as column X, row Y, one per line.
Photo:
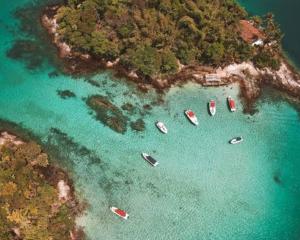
column 191, row 116
column 150, row 159
column 121, row 213
column 231, row 104
column 212, row 107
column 162, row 127
column 236, row 140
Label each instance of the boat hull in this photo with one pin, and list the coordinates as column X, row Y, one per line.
column 231, row 104
column 192, row 117
column 212, row 108
column 120, row 213
column 161, row 126
column 236, row 140
column 150, row 159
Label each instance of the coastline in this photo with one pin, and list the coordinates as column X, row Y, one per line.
column 250, row 78
column 13, row 137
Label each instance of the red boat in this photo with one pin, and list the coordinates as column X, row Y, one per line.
column 119, row 212
column 231, row 104
column 191, row 116
column 212, row 107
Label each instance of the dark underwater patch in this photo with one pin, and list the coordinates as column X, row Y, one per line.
column 138, row 125
column 277, row 178
column 107, row 113
column 32, row 45
column 53, row 74
column 27, row 51
column 65, row 94
column 64, row 148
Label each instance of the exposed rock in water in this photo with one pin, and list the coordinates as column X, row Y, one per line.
column 138, row 125
column 64, row 94
column 107, row 113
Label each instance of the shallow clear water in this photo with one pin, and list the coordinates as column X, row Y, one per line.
column 203, row 188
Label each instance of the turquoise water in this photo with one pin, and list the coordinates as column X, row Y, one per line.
column 287, row 15
column 203, row 188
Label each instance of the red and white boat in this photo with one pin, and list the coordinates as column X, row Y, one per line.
column 191, row 116
column 119, row 212
column 231, row 104
column 212, row 107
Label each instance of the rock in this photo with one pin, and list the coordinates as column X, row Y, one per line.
column 63, row 191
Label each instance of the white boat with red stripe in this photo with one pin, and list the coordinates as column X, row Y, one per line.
column 121, row 213
column 191, row 116
column 212, row 107
column 231, row 104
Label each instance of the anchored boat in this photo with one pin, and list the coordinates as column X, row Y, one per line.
column 121, row 213
column 191, row 116
column 231, row 104
column 150, row 159
column 162, row 127
column 236, row 140
column 212, row 107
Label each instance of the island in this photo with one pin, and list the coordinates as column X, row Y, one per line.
column 162, row 43
column 37, row 198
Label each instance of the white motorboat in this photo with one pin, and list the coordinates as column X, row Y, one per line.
column 162, row 127
column 236, row 140
column 150, row 159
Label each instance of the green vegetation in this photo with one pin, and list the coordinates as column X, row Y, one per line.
column 29, row 204
column 149, row 35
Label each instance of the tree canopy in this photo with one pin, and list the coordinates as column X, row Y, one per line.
column 150, row 35
column 30, row 207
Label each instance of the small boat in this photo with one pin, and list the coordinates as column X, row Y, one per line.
column 162, row 127
column 119, row 212
column 150, row 159
column 231, row 104
column 212, row 107
column 191, row 116
column 236, row 140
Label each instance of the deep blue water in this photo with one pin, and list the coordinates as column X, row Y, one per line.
column 203, row 188
column 287, row 15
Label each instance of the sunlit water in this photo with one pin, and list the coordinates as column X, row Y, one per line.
column 203, row 187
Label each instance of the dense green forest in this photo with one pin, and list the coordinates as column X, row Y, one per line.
column 151, row 35
column 30, row 208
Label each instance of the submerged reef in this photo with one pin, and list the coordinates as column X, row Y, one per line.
column 138, row 125
column 107, row 113
column 37, row 199
column 113, row 117
column 64, row 94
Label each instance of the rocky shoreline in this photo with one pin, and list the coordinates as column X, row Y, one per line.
column 250, row 78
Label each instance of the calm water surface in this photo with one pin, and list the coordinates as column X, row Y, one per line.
column 203, row 188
